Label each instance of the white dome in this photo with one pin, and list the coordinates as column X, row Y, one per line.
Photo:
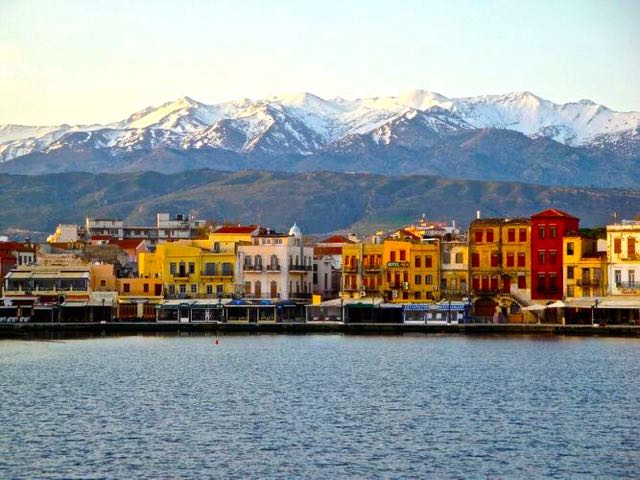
column 295, row 231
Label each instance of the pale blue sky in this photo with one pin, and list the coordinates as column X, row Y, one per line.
column 99, row 61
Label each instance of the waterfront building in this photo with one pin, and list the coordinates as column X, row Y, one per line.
column 585, row 267
column 197, row 268
column 454, row 269
column 623, row 247
column 395, row 271
column 275, row 267
column 327, row 266
column 548, row 229
column 500, row 266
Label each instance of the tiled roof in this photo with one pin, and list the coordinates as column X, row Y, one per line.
column 336, row 239
column 10, row 246
column 319, row 251
column 127, row 243
column 238, row 229
column 553, row 212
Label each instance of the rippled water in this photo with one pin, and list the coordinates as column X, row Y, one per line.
column 320, row 406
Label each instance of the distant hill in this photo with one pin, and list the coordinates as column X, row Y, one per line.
column 319, row 202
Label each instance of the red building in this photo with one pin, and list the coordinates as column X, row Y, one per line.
column 547, row 230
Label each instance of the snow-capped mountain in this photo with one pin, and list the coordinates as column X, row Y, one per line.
column 517, row 136
column 305, row 124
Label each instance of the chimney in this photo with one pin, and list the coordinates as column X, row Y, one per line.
column 477, row 214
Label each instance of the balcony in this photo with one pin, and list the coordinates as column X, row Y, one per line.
column 634, row 284
column 273, row 268
column 448, row 291
column 371, row 268
column 588, row 282
column 299, row 268
column 180, row 277
column 252, row 268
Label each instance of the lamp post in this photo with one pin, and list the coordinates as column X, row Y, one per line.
column 593, row 310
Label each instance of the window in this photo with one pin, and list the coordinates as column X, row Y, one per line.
column 126, row 288
column 522, row 259
column 617, row 245
column 552, row 231
column 459, row 257
column 522, row 282
column 418, row 279
column 541, row 231
column 405, row 276
column 247, row 288
column 209, row 289
column 172, row 268
column 392, row 256
column 103, row 283
column 172, row 289
column 183, row 288
column 403, row 255
column 553, row 286
column 631, row 246
column 227, row 269
column 542, row 256
column 570, row 291
column 216, row 247
column 478, row 236
column 542, row 283
column 618, row 277
column 522, row 234
column 475, row 259
column 570, row 248
column 405, row 295
column 511, row 235
column 194, row 288
column 443, row 283
column 570, row 273
column 428, row 262
column 510, row 260
column 428, row 279
column 494, row 259
column 632, row 278
column 446, row 257
column 475, row 283
column 145, row 288
column 211, row 269
column 553, row 256
column 494, row 282
column 418, row 295
column 489, row 236
column 418, row 261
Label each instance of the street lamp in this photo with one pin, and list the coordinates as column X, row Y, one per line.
column 593, row 309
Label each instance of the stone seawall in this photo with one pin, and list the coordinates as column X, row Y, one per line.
column 47, row 331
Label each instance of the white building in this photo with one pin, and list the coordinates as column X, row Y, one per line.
column 276, row 267
column 65, row 233
column 623, row 246
column 327, row 266
column 166, row 228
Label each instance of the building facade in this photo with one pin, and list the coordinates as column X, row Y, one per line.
column 585, row 267
column 623, row 246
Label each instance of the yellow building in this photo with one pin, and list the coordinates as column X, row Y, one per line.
column 398, row 271
column 198, row 268
column 585, row 273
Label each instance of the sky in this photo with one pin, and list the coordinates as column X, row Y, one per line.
column 82, row 62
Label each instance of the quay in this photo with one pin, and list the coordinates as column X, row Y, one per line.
column 58, row 331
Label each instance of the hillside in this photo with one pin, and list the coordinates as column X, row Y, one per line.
column 319, row 202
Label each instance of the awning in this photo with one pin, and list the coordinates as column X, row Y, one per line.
column 534, row 307
column 74, row 304
column 584, row 302
column 619, row 303
column 557, row 304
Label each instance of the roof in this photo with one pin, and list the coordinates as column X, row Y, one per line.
column 500, row 221
column 405, row 233
column 127, row 243
column 16, row 246
column 237, row 229
column 318, row 251
column 553, row 212
column 337, row 239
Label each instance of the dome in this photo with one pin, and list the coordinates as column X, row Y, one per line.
column 295, row 231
